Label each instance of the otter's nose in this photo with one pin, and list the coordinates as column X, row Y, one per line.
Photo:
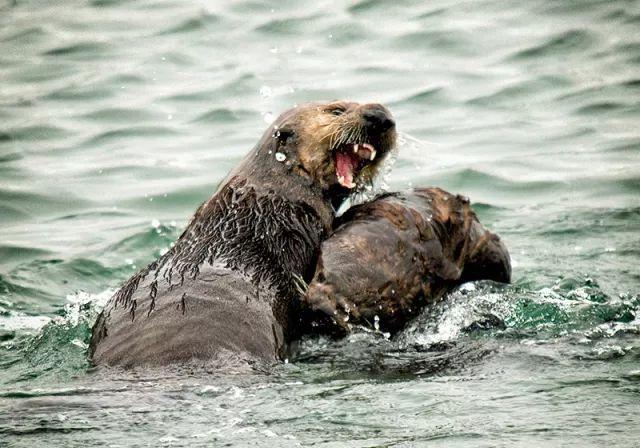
column 377, row 117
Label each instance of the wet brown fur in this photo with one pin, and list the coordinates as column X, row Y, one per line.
column 230, row 282
column 389, row 258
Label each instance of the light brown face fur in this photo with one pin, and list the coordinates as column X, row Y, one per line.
column 322, row 130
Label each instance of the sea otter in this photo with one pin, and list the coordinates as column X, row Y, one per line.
column 390, row 257
column 229, row 285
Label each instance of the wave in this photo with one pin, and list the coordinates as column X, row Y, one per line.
column 563, row 43
column 34, row 133
column 288, row 26
column 121, row 115
column 129, row 133
column 59, row 345
column 225, row 115
column 83, row 50
column 203, row 21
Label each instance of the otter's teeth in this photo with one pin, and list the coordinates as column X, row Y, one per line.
column 365, row 150
column 348, row 184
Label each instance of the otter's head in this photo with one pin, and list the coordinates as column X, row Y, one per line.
column 339, row 146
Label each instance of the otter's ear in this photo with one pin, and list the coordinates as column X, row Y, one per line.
column 284, row 135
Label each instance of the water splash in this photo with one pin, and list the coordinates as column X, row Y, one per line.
column 59, row 347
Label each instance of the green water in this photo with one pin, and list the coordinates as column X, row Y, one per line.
column 118, row 118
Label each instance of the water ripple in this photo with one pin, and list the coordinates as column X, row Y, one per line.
column 564, row 43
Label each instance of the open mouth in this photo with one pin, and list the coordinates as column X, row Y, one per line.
column 350, row 159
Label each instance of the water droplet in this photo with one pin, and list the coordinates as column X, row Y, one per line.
column 269, row 433
column 280, row 157
column 267, row 116
column 265, row 91
column 155, row 223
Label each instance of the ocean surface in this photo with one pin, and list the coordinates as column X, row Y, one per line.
column 118, row 118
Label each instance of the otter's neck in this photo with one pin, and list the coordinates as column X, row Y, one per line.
column 263, row 234
column 269, row 231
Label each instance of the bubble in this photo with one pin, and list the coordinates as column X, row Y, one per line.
column 280, row 157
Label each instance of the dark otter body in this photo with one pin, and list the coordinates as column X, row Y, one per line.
column 390, row 257
column 229, row 284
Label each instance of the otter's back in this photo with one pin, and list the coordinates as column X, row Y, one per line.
column 219, row 311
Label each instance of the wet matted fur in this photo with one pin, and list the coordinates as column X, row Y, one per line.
column 389, row 258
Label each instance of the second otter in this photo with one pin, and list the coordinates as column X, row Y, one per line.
column 389, row 258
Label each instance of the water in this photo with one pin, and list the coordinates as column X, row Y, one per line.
column 118, row 118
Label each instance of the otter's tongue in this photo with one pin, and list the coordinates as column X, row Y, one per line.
column 345, row 167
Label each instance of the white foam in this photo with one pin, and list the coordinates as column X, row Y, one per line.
column 74, row 310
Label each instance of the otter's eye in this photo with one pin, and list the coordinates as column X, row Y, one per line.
column 337, row 111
